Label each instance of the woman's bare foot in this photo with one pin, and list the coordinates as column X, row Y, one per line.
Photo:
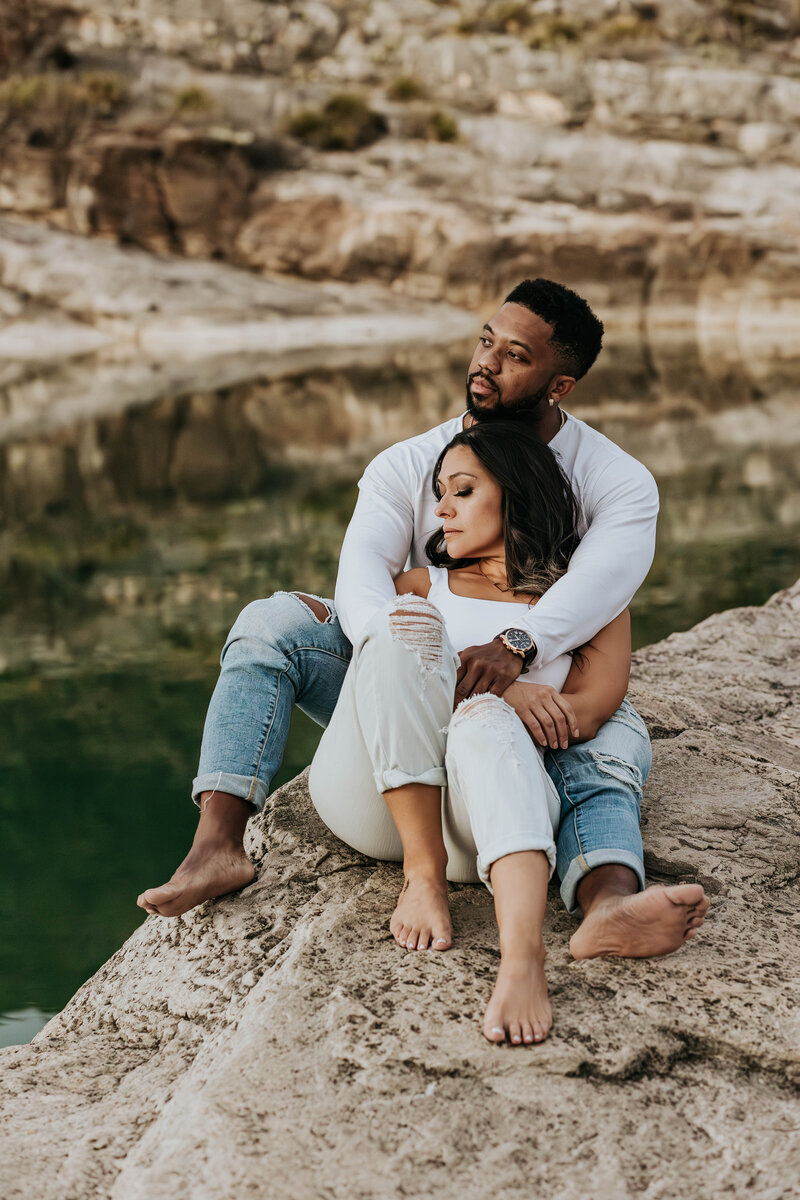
column 199, row 877
column 422, row 917
column 649, row 924
column 519, row 1010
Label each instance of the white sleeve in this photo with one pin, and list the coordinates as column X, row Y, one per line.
column 606, row 570
column 376, row 544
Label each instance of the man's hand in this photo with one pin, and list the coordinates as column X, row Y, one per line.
column 548, row 716
column 488, row 668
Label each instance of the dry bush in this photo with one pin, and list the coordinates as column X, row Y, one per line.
column 30, row 30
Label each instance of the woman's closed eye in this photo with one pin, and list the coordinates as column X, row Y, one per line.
column 464, row 492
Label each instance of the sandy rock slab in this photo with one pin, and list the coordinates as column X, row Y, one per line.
column 279, row 1043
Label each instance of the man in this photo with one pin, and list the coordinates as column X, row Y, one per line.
column 293, row 648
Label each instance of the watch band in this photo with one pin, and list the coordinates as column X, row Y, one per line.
column 528, row 655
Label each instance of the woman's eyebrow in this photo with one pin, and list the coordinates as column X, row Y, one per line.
column 456, row 474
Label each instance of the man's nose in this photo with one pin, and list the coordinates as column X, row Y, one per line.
column 488, row 360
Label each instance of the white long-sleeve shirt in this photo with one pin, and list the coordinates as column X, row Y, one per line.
column 394, row 517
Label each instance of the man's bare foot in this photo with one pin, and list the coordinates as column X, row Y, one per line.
column 519, row 1010
column 422, row 917
column 651, row 923
column 203, row 875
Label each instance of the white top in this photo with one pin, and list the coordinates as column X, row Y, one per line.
column 471, row 622
column 394, row 517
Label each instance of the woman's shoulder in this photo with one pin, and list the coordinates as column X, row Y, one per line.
column 416, row 581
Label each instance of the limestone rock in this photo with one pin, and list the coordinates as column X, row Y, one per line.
column 280, row 1039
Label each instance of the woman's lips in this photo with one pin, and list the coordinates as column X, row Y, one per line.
column 447, row 532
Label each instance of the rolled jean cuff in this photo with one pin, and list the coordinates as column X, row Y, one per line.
column 393, row 777
column 514, row 844
column 582, row 864
column 246, row 787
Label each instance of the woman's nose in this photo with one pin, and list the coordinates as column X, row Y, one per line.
column 443, row 508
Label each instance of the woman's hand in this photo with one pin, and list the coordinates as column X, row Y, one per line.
column 547, row 714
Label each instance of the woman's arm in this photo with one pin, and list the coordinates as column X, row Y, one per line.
column 598, row 678
column 416, row 582
column 593, row 690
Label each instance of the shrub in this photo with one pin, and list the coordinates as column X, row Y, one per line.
column 549, row 32
column 442, row 127
column 434, row 126
column 508, row 18
column 105, row 91
column 22, row 94
column 95, row 93
column 191, row 99
column 405, row 87
column 345, row 123
column 624, row 28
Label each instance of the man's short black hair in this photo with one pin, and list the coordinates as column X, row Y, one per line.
column 577, row 332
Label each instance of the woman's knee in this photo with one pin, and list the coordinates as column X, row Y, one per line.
column 415, row 623
column 481, row 725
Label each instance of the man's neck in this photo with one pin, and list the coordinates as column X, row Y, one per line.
column 545, row 426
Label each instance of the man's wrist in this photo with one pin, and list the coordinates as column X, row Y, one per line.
column 519, row 642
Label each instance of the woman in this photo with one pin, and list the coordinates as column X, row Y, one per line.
column 393, row 744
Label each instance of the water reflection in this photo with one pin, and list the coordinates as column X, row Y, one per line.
column 133, row 534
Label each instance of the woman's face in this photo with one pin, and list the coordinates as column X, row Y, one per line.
column 470, row 506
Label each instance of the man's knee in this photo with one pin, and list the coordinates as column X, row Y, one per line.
column 320, row 610
column 276, row 621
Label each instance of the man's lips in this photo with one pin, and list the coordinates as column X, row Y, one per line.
column 483, row 386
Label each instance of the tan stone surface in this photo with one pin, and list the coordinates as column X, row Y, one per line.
column 278, row 1042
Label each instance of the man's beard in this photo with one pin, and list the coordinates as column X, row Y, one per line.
column 523, row 406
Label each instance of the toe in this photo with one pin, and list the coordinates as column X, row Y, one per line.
column 411, row 939
column 527, row 1031
column 690, row 933
column 441, row 942
column 515, row 1032
column 494, row 1033
column 423, row 939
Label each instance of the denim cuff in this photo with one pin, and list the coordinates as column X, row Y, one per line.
column 580, row 867
column 246, row 787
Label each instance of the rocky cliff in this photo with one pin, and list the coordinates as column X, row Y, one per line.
column 278, row 1042
column 647, row 152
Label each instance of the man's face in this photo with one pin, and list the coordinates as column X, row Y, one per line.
column 512, row 367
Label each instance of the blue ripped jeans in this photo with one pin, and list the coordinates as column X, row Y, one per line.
column 278, row 654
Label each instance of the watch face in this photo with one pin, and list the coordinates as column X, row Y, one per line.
column 519, row 639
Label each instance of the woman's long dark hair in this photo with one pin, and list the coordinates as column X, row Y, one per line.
column 540, row 516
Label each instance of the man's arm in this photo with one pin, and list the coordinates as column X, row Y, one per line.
column 376, row 545
column 605, row 572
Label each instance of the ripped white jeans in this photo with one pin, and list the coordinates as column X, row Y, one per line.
column 393, row 724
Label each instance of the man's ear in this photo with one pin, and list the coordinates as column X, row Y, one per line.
column 561, row 386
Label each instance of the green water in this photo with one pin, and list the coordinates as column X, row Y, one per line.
column 121, row 571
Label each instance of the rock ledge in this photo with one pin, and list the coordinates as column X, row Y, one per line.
column 278, row 1041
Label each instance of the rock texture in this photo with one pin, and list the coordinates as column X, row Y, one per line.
column 279, row 1042
column 648, row 153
